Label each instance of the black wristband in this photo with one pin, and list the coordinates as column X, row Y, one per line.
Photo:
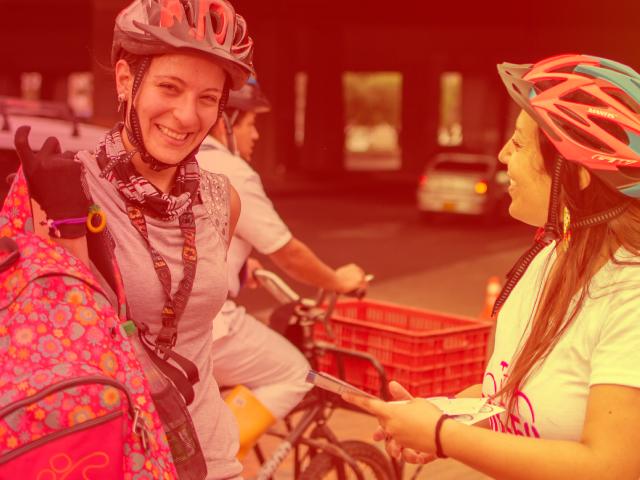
column 72, row 231
column 439, row 452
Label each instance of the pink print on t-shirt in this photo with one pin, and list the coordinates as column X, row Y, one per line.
column 522, row 424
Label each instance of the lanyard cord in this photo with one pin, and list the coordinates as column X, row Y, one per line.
column 174, row 305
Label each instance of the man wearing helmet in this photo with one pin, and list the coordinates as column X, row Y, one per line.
column 241, row 111
column 565, row 363
column 246, row 351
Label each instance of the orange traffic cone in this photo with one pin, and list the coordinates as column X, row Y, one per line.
column 493, row 290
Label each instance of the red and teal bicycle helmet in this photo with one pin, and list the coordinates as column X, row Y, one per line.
column 589, row 108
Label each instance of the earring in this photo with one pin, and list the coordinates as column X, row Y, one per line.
column 566, row 228
column 121, row 100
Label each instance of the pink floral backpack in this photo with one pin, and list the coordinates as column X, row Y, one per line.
column 74, row 402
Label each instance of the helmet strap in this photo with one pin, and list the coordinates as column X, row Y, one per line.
column 228, row 130
column 233, row 117
column 548, row 233
column 601, row 217
column 552, row 230
column 134, row 131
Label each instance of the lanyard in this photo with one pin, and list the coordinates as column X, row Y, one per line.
column 174, row 305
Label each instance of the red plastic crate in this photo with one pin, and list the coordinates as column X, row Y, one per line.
column 430, row 353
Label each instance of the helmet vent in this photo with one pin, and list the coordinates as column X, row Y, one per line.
column 632, row 172
column 624, row 99
column 583, row 98
column 565, row 69
column 188, row 13
column 611, row 128
column 216, row 21
column 544, row 85
column 579, row 136
column 569, row 113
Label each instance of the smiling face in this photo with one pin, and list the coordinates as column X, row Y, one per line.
column 530, row 185
column 177, row 103
column 246, row 135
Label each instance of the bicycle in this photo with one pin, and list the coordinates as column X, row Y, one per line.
column 318, row 453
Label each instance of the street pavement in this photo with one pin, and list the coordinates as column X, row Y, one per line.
column 441, row 264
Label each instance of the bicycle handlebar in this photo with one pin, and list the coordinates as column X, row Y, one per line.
column 276, row 286
column 283, row 293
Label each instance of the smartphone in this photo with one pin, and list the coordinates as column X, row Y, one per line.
column 332, row 384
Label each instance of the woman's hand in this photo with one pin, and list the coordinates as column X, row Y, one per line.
column 410, row 423
column 394, row 449
column 54, row 181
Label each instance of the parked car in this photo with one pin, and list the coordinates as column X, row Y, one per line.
column 464, row 183
column 46, row 119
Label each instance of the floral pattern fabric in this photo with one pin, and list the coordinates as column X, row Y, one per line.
column 58, row 326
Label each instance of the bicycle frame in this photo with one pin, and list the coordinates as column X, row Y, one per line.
column 318, row 409
column 315, row 414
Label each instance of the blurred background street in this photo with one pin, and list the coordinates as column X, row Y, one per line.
column 439, row 263
column 370, row 105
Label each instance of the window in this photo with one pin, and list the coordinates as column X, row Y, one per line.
column 80, row 93
column 30, row 84
column 300, row 91
column 372, row 120
column 450, row 125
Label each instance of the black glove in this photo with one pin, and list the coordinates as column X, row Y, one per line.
column 54, row 182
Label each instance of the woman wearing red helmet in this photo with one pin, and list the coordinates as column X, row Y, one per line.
column 566, row 363
column 169, row 224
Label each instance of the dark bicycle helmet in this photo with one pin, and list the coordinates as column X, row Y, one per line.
column 154, row 27
column 589, row 108
column 249, row 98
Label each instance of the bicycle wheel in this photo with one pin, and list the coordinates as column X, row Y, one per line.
column 372, row 462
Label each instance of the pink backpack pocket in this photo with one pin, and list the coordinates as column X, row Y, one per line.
column 77, row 427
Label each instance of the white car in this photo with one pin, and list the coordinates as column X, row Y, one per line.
column 46, row 119
column 464, row 183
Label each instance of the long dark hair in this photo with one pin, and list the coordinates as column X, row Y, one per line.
column 575, row 267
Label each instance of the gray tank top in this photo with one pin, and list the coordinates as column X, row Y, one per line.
column 214, row 422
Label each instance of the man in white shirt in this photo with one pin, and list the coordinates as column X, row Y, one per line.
column 246, row 351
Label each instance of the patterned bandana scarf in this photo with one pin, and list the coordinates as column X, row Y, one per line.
column 117, row 168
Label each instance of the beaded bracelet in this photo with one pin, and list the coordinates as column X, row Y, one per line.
column 439, row 452
column 94, row 211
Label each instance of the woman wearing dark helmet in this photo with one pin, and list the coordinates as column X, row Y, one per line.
column 566, row 362
column 175, row 61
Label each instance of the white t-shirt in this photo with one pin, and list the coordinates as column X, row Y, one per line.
column 602, row 346
column 259, row 225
